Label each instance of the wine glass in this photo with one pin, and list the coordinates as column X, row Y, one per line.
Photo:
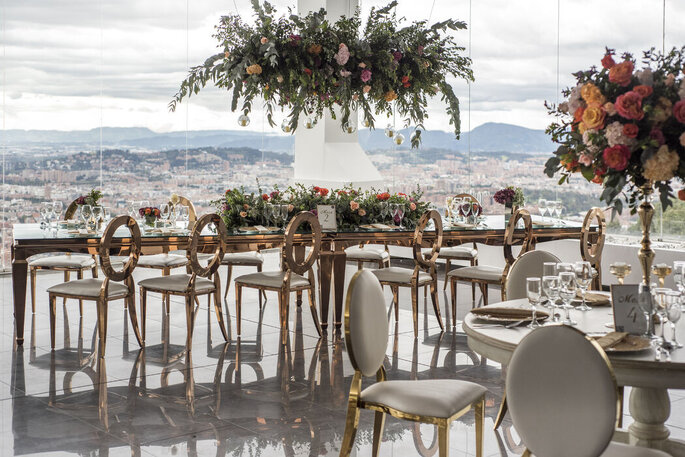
column 86, row 215
column 44, row 211
column 674, row 312
column 131, row 208
column 583, row 272
column 645, row 303
column 534, row 293
column 276, row 214
column 144, row 203
column 165, row 212
column 550, row 286
column 456, row 205
column 284, row 214
column 567, row 292
column 184, row 216
column 558, row 208
column 466, row 209
column 385, row 211
column 398, row 214
column 542, row 207
column 58, row 206
column 106, row 213
column 565, row 267
column 659, row 295
column 97, row 214
column 679, row 279
column 551, row 207
column 548, row 269
column 268, row 213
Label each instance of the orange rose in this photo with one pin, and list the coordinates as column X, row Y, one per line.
column 314, row 49
column 593, row 117
column 362, row 213
column 354, row 206
column 643, row 91
column 254, row 69
column 592, row 95
column 621, row 73
column 390, row 96
column 147, row 211
column 243, row 214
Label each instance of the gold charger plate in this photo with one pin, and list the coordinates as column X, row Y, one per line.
column 502, row 315
column 252, row 229
column 631, row 343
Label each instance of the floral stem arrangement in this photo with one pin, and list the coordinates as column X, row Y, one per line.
column 91, row 198
column 624, row 128
column 308, row 65
column 150, row 214
column 353, row 207
column 510, row 196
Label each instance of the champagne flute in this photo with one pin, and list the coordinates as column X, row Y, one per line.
column 534, row 293
column 466, row 209
column 660, row 300
column 268, row 213
column 550, row 285
column 558, row 208
column 385, row 211
column 567, row 292
column 674, row 312
column 583, row 272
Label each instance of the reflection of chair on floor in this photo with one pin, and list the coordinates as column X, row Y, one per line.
column 432, row 401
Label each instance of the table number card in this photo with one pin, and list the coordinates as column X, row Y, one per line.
column 628, row 316
column 326, row 214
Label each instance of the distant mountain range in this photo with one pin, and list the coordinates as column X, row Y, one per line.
column 489, row 137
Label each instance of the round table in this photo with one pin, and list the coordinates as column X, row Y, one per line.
column 649, row 380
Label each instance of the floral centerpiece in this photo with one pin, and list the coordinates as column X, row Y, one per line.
column 150, row 214
column 624, row 129
column 510, row 197
column 92, row 198
column 310, row 65
column 353, row 207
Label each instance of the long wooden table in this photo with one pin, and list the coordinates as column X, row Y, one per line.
column 30, row 240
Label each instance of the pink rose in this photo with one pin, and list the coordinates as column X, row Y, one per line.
column 670, row 80
column 355, row 97
column 345, row 73
column 629, row 105
column 617, row 157
column 585, row 159
column 366, row 75
column 679, row 111
column 264, row 40
column 412, row 206
column 682, row 140
column 343, row 54
column 354, row 206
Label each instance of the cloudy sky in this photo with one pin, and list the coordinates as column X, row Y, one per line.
column 79, row 64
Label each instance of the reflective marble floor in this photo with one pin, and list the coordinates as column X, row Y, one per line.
column 253, row 397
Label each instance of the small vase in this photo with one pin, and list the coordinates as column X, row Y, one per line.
column 508, row 211
column 150, row 221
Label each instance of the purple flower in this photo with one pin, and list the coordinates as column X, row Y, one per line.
column 397, row 55
column 141, row 211
column 295, row 40
column 658, row 135
column 274, row 194
column 315, row 212
column 81, row 200
column 366, row 75
column 504, row 196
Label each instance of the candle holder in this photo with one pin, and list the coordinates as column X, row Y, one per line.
column 661, row 270
column 620, row 270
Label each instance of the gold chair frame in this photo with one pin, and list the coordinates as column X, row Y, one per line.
column 425, row 263
column 592, row 244
column 355, row 404
column 125, row 276
column 527, row 244
column 290, row 265
column 189, row 292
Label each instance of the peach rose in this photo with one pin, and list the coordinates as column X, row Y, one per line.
column 243, row 214
column 609, row 108
column 366, row 89
column 591, row 94
column 390, row 95
column 354, row 206
column 585, row 159
column 621, row 73
column 362, row 213
column 670, row 80
column 412, row 206
column 593, row 117
column 254, row 69
column 264, row 40
column 679, row 111
column 629, row 105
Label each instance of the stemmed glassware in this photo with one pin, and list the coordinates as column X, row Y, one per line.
column 97, row 215
column 268, row 213
column 398, row 214
column 276, row 214
column 131, row 209
column 551, row 207
column 284, row 214
column 620, row 270
column 550, row 286
column 385, row 211
column 548, row 269
column 184, row 216
column 583, row 272
column 679, row 279
column 542, row 207
column 558, row 208
column 456, row 205
column 44, row 215
column 165, row 213
column 660, row 296
column 86, row 215
column 534, row 293
column 58, row 206
column 465, row 209
column 674, row 312
column 567, row 292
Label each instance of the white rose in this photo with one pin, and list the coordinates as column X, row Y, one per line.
column 645, row 77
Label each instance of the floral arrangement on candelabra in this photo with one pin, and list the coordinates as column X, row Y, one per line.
column 353, row 207
column 308, row 65
column 150, row 214
column 511, row 197
column 625, row 130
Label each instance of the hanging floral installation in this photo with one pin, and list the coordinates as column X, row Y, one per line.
column 308, row 66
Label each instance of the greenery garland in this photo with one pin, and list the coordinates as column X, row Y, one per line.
column 310, row 65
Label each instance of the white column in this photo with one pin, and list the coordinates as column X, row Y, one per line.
column 325, row 155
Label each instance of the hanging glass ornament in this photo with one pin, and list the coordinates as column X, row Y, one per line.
column 349, row 128
column 416, row 136
column 309, row 123
column 243, row 120
column 390, row 131
column 399, row 139
column 285, row 126
column 366, row 123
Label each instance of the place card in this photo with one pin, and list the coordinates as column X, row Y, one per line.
column 326, row 215
column 261, row 228
column 628, row 315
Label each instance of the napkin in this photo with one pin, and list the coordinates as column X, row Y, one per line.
column 508, row 313
column 611, row 339
column 595, row 299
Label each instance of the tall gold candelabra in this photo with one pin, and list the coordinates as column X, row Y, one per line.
column 646, row 213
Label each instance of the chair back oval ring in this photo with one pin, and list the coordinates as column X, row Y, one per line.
column 192, row 214
column 469, row 196
column 289, row 251
column 526, row 266
column 592, row 252
column 426, row 260
column 526, row 243
column 366, row 323
column 106, row 245
column 191, row 252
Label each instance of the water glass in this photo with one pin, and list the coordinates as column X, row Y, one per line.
column 534, row 293
column 660, row 297
column 58, row 206
column 97, row 215
column 184, row 216
column 456, row 204
column 558, row 208
column 583, row 271
column 385, row 211
column 567, row 292
column 679, row 279
column 565, row 267
column 165, row 212
column 132, row 209
column 268, row 213
column 550, row 286
column 673, row 311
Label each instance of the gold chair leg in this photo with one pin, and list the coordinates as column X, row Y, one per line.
column 190, row 320
column 33, row 289
column 360, row 264
column 79, row 275
column 94, row 270
column 526, row 453
column 285, row 313
column 312, row 307
column 102, row 325
column 229, row 274
column 67, row 275
column 351, row 424
column 238, row 306
column 447, row 270
column 453, row 290
column 132, row 315
column 166, row 298
column 219, row 313
column 619, row 420
column 415, row 309
column 378, row 424
column 53, row 311
column 143, row 310
column 396, row 301
column 480, row 424
column 502, row 412
column 436, row 303
column 444, row 439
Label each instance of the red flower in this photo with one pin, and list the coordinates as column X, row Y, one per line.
column 323, row 191
column 274, row 194
column 317, row 189
column 265, row 197
column 383, row 196
column 405, row 79
column 644, row 91
column 228, row 191
column 308, row 71
column 342, row 192
column 679, row 111
column 402, row 194
column 617, row 157
column 406, row 85
column 631, row 130
column 622, row 73
column 599, row 175
column 572, row 165
column 629, row 105
column 608, row 61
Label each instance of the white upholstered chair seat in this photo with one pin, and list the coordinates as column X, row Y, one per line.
column 482, row 272
column 253, row 258
column 624, row 450
column 176, row 283
column 272, row 279
column 201, row 256
column 63, row 261
column 399, row 275
column 367, row 252
column 435, row 397
column 152, row 260
column 454, row 252
column 88, row 288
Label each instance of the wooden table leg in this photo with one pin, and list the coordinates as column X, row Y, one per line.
column 326, row 270
column 339, row 262
column 19, row 275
